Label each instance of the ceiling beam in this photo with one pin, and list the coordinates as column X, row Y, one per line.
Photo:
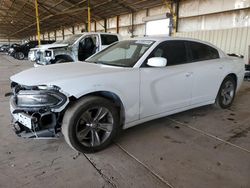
column 126, row 5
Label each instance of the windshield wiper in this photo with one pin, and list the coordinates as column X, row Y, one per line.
column 96, row 62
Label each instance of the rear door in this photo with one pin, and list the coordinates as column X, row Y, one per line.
column 207, row 71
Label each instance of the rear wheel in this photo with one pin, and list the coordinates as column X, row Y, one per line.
column 226, row 93
column 90, row 124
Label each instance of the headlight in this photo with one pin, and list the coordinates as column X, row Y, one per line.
column 40, row 98
column 32, row 56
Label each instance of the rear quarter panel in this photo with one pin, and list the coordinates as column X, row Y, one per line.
column 234, row 65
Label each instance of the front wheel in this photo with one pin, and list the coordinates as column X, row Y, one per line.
column 226, row 93
column 20, row 55
column 90, row 124
column 60, row 61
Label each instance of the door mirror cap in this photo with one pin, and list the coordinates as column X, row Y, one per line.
column 157, row 62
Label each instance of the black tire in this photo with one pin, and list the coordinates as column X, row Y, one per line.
column 20, row 55
column 60, row 61
column 226, row 94
column 15, row 55
column 75, row 124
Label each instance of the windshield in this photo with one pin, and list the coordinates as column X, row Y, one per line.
column 125, row 53
column 71, row 40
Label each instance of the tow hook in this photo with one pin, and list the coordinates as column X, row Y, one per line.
column 16, row 128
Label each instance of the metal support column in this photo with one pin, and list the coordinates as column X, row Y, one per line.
column 117, row 24
column 55, row 35
column 105, row 25
column 89, row 18
column 37, row 22
column 132, row 25
column 173, row 7
column 177, row 7
column 63, row 33
column 95, row 26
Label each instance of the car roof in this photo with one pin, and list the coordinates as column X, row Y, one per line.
column 163, row 38
column 103, row 33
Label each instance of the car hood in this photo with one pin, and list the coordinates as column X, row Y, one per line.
column 50, row 46
column 58, row 73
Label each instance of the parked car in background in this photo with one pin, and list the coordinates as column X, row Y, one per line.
column 130, row 82
column 20, row 52
column 76, row 48
column 11, row 50
column 4, row 48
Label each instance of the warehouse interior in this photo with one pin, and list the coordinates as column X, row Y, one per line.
column 223, row 23
column 202, row 147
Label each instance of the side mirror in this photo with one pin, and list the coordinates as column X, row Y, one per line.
column 157, row 62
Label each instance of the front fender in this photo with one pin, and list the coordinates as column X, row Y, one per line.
column 125, row 86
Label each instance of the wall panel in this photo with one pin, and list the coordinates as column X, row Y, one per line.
column 235, row 40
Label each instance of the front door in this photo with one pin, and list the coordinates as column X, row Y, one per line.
column 167, row 88
column 87, row 47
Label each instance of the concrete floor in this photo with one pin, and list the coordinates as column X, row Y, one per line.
column 204, row 147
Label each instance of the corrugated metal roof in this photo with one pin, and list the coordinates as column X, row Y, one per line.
column 17, row 17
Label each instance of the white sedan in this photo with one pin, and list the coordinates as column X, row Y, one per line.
column 128, row 83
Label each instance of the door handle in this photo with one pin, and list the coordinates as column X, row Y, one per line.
column 188, row 74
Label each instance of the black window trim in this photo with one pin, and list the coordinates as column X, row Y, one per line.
column 144, row 64
column 190, row 56
column 188, row 53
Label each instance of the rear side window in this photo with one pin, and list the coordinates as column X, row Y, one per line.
column 201, row 52
column 108, row 39
column 174, row 51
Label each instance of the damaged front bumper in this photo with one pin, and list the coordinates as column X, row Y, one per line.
column 41, row 57
column 32, row 121
column 34, row 124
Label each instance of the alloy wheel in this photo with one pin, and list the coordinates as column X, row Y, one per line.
column 20, row 56
column 227, row 93
column 94, row 126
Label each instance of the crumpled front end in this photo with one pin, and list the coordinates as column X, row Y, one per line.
column 32, row 55
column 44, row 57
column 37, row 111
column 41, row 56
column 11, row 51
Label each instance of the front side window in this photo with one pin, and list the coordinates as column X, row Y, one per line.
column 124, row 53
column 201, row 52
column 174, row 51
